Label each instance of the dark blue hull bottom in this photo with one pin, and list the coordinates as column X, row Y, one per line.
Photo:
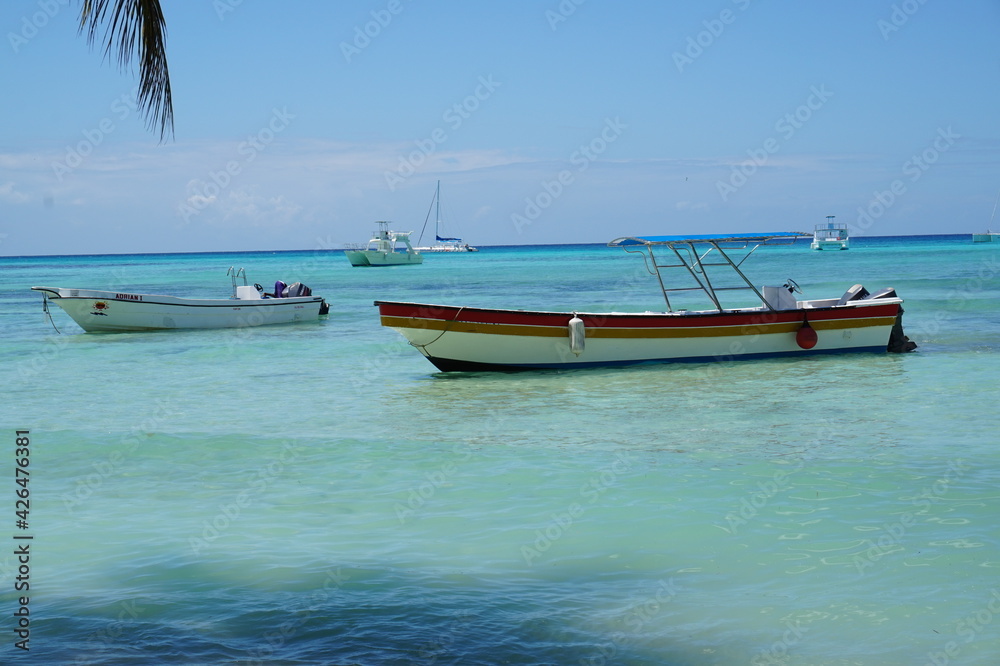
column 452, row 365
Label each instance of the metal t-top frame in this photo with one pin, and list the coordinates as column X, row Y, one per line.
column 685, row 251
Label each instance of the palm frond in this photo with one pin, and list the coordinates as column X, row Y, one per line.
column 135, row 29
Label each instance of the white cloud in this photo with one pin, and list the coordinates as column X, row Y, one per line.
column 688, row 205
column 248, row 207
column 10, row 194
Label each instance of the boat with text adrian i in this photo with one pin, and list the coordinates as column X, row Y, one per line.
column 112, row 311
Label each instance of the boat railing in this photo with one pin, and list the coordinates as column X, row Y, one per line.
column 235, row 273
column 684, row 254
column 837, row 232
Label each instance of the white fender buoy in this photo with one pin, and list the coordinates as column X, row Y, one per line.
column 577, row 335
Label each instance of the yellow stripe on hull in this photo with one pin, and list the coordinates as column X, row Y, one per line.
column 415, row 324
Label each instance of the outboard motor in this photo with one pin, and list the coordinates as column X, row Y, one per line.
column 888, row 292
column 297, row 289
column 899, row 342
column 855, row 293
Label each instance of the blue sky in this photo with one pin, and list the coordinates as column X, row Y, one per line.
column 299, row 124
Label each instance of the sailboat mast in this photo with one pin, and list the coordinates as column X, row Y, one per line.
column 437, row 223
column 991, row 216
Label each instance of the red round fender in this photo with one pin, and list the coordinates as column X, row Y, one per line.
column 806, row 336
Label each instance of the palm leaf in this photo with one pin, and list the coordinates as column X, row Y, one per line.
column 136, row 29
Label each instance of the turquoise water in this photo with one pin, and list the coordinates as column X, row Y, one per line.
column 318, row 494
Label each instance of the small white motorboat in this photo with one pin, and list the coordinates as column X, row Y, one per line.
column 114, row 311
column 457, row 338
column 386, row 248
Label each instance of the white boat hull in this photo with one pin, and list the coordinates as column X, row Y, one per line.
column 830, row 245
column 386, row 248
column 378, row 258
column 446, row 248
column 460, row 338
column 106, row 311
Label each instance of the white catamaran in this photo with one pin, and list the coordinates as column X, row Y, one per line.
column 830, row 236
column 386, row 248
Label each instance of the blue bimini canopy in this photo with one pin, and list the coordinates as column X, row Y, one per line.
column 756, row 237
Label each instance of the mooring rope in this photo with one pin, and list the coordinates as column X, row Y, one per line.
column 443, row 331
column 45, row 309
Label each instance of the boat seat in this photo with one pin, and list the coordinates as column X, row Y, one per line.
column 779, row 298
column 245, row 292
column 855, row 293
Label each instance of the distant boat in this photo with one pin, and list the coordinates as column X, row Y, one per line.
column 830, row 236
column 386, row 248
column 442, row 244
column 989, row 236
column 110, row 311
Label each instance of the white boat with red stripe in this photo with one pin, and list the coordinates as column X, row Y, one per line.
column 462, row 338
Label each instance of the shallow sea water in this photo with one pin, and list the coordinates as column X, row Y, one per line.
column 320, row 494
